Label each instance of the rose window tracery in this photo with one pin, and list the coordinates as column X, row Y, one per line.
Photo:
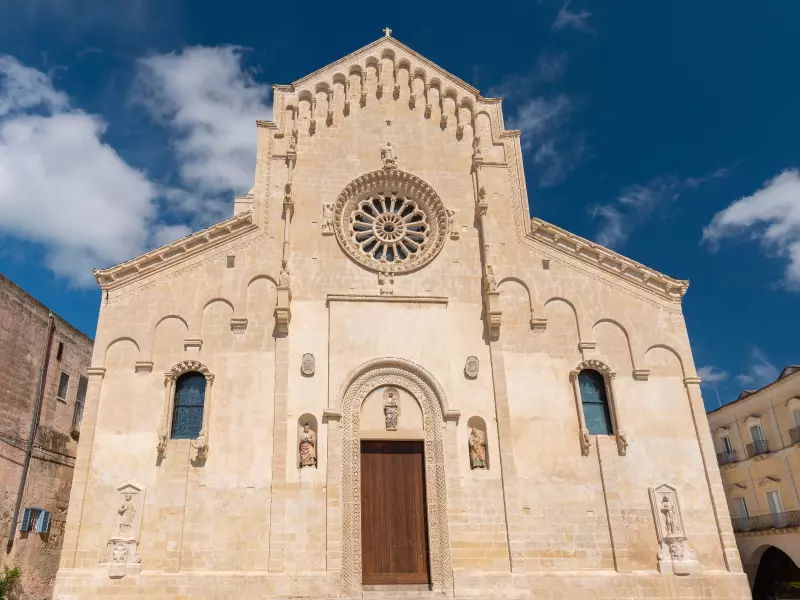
column 390, row 220
column 388, row 226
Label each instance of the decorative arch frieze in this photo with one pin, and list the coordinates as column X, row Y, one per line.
column 609, row 377
column 346, row 418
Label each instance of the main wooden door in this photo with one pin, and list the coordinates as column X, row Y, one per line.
column 394, row 530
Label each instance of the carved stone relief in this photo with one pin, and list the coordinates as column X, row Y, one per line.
column 386, row 284
column 388, row 156
column 122, row 555
column 391, row 409
column 308, row 364
column 451, row 216
column 327, row 219
column 675, row 554
column 471, row 367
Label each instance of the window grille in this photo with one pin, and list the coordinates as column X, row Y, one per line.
column 187, row 416
column 594, row 399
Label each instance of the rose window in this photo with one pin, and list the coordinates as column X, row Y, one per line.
column 388, row 226
column 390, row 221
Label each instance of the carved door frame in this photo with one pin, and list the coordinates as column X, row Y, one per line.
column 344, row 467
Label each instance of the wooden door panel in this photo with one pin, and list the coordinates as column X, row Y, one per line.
column 393, row 513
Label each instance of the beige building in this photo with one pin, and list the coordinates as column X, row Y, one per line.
column 380, row 374
column 756, row 439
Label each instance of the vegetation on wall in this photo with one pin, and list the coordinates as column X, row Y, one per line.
column 7, row 581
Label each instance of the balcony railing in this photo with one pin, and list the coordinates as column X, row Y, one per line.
column 769, row 521
column 726, row 458
column 757, row 447
column 795, row 433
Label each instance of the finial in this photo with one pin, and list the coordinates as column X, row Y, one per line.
column 388, row 32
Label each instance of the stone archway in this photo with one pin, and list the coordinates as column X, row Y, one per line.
column 775, row 571
column 344, row 462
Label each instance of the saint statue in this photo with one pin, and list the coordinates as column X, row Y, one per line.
column 391, row 410
column 491, row 280
column 477, row 449
column 308, row 447
column 386, row 283
column 283, row 277
column 670, row 516
column 127, row 513
column 388, row 157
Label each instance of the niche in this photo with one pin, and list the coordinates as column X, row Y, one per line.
column 307, row 445
column 477, row 444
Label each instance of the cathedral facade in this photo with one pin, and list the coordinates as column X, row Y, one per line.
column 381, row 376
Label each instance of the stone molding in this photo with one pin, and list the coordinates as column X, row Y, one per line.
column 420, row 384
column 608, row 260
column 383, row 298
column 406, row 184
column 176, row 252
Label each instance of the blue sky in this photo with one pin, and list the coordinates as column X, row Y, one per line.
column 665, row 130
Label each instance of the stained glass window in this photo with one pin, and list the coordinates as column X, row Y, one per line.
column 187, row 416
column 595, row 402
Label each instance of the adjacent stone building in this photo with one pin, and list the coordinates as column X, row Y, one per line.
column 757, row 439
column 43, row 362
column 381, row 375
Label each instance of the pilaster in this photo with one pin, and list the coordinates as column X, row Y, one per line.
column 280, row 433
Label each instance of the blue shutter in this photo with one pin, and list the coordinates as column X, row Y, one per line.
column 43, row 522
column 25, row 524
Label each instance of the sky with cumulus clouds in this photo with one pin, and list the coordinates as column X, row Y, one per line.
column 664, row 130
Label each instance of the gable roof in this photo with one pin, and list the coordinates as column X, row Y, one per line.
column 787, row 372
column 166, row 256
column 385, row 42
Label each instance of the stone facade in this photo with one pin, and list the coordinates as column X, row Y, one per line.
column 757, row 441
column 24, row 328
column 388, row 235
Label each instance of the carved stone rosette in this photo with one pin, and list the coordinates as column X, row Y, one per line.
column 675, row 554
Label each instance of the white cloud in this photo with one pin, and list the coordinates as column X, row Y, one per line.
column 206, row 97
column 711, row 374
column 761, row 370
column 771, row 216
column 61, row 186
column 637, row 203
column 567, row 19
column 542, row 122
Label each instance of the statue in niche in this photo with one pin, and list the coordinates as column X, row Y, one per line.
column 477, row 449
column 388, row 157
column 327, row 219
column 127, row 513
column 283, row 277
column 308, row 447
column 391, row 409
column 671, row 525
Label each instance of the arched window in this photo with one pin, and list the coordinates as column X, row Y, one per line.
column 595, row 402
column 187, row 412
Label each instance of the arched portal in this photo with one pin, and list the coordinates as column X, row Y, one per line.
column 344, row 462
column 775, row 576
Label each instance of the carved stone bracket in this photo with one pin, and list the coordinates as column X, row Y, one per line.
column 238, row 324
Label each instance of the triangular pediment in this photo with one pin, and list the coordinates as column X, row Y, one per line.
column 401, row 54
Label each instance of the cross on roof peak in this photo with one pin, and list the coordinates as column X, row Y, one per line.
column 387, row 31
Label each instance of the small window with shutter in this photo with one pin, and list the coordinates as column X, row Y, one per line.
column 63, row 386
column 25, row 523
column 43, row 522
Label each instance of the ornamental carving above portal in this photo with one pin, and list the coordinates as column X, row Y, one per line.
column 390, row 221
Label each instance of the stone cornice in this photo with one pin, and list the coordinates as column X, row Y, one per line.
column 176, row 252
column 608, row 260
